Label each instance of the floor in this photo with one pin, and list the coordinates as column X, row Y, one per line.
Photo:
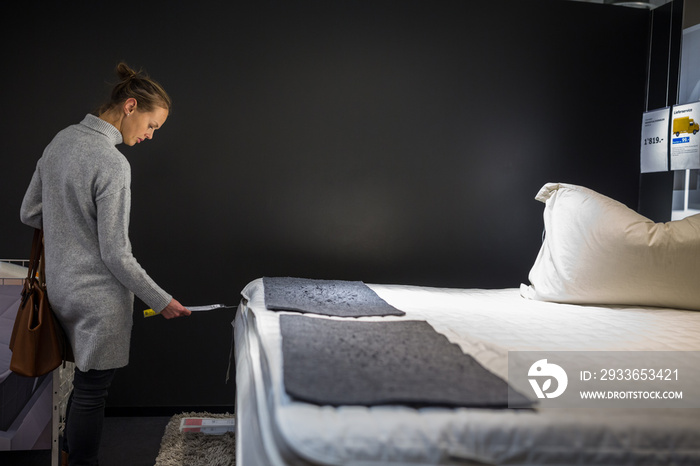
column 132, row 441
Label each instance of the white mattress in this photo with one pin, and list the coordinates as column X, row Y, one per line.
column 274, row 429
column 10, row 270
column 12, row 274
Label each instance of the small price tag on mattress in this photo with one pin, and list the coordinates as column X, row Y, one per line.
column 207, row 425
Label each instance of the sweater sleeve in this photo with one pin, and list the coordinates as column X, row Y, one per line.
column 115, row 249
column 31, row 212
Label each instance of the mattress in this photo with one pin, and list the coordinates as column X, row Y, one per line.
column 274, row 428
column 12, row 274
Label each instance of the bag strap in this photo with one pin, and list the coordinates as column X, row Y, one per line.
column 42, row 262
column 35, row 256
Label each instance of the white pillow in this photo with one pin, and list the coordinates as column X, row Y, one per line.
column 598, row 251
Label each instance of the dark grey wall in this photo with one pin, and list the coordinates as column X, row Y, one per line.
column 691, row 14
column 386, row 141
column 656, row 189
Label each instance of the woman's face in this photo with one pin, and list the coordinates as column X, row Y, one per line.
column 138, row 126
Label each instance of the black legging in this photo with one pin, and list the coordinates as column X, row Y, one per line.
column 85, row 416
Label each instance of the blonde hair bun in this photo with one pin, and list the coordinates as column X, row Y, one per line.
column 137, row 85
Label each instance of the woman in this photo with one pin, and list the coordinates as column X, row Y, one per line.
column 80, row 195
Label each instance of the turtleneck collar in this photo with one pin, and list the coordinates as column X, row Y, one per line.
column 101, row 126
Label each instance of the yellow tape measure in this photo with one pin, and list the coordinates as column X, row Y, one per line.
column 151, row 312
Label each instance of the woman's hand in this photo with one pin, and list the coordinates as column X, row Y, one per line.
column 175, row 309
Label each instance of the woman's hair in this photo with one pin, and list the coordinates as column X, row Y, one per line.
column 137, row 84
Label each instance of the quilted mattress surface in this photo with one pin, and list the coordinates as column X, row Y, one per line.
column 485, row 324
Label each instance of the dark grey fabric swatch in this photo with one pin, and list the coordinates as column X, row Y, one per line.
column 373, row 363
column 328, row 297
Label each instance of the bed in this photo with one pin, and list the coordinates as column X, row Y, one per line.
column 608, row 288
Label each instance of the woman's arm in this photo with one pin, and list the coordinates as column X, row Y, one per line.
column 115, row 250
column 31, row 210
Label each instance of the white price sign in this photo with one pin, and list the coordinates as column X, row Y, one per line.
column 654, row 153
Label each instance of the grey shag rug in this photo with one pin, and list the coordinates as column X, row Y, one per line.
column 196, row 449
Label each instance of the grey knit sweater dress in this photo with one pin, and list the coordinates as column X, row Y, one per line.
column 80, row 194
